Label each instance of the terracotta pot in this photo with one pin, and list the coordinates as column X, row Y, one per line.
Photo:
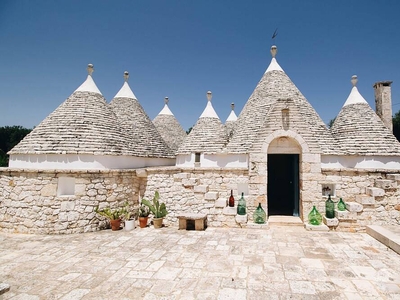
column 143, row 221
column 115, row 224
column 157, row 222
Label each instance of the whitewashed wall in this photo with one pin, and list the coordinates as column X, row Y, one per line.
column 84, row 162
column 360, row 162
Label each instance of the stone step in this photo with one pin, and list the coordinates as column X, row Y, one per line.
column 285, row 221
column 389, row 236
column 373, row 191
column 365, row 199
column 354, row 207
column 345, row 215
column 385, row 184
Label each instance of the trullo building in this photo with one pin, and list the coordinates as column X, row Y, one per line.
column 278, row 152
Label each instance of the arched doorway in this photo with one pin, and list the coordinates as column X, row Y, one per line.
column 283, row 165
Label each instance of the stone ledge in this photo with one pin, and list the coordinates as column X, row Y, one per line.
column 345, row 215
column 375, row 192
column 229, row 211
column 330, row 222
column 365, row 200
column 241, row 219
column 354, row 207
column 385, row 236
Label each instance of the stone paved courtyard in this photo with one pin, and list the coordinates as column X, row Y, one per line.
column 219, row 263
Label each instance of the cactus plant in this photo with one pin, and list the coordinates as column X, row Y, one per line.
column 158, row 209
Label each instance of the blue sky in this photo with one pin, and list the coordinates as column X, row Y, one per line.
column 182, row 49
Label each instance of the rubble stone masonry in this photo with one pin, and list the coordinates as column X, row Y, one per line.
column 33, row 201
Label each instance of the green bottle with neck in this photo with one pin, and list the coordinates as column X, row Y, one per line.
column 329, row 208
column 241, row 208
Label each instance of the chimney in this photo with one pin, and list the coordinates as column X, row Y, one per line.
column 383, row 102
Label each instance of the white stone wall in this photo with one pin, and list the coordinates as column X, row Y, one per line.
column 197, row 190
column 374, row 195
column 29, row 202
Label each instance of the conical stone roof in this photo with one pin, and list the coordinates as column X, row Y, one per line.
column 231, row 120
column 359, row 131
column 275, row 86
column 82, row 124
column 169, row 128
column 145, row 140
column 208, row 135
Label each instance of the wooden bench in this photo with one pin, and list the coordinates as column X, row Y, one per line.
column 190, row 221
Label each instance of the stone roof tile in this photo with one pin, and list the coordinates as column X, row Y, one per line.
column 145, row 140
column 82, row 124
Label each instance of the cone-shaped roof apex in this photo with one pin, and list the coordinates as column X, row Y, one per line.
column 355, row 96
column 125, row 91
column 166, row 110
column 274, row 66
column 88, row 85
column 232, row 116
column 209, row 111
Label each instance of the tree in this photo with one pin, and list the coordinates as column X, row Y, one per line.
column 9, row 137
column 330, row 124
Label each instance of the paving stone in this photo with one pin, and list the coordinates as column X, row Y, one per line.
column 321, row 227
column 218, row 263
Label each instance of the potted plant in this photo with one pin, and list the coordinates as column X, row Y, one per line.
column 158, row 209
column 113, row 215
column 143, row 215
column 130, row 216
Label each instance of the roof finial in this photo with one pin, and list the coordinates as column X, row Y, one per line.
column 209, row 95
column 354, row 80
column 126, row 76
column 90, row 69
column 166, row 100
column 274, row 50
column 233, row 106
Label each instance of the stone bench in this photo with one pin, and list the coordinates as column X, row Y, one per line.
column 190, row 221
column 4, row 287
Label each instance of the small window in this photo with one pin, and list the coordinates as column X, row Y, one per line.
column 328, row 189
column 197, row 157
column 66, row 186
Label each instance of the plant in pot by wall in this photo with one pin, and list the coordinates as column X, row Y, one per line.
column 143, row 215
column 130, row 216
column 158, row 209
column 113, row 215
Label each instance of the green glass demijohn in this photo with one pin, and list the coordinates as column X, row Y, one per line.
column 329, row 208
column 259, row 215
column 241, row 208
column 341, row 205
column 314, row 217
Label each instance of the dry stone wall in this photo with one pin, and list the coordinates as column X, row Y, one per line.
column 29, row 200
column 199, row 190
column 372, row 197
